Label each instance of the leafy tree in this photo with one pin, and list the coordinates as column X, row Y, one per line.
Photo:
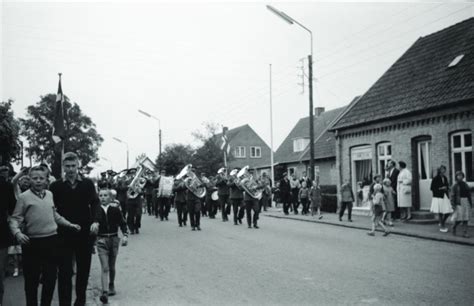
column 9, row 130
column 174, row 158
column 82, row 137
column 208, row 157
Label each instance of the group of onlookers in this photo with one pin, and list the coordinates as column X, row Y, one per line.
column 57, row 223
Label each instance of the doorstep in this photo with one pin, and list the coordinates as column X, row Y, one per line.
column 363, row 222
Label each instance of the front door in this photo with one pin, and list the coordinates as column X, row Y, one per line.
column 424, row 173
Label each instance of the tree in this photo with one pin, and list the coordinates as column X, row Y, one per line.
column 174, row 158
column 9, row 131
column 208, row 157
column 81, row 135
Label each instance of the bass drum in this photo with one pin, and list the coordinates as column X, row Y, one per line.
column 215, row 196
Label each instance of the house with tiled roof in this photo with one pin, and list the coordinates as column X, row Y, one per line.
column 247, row 148
column 292, row 155
column 420, row 111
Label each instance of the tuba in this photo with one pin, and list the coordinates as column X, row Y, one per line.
column 192, row 182
column 249, row 184
column 137, row 184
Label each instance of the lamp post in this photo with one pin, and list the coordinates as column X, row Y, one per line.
column 159, row 128
column 291, row 21
column 121, row 141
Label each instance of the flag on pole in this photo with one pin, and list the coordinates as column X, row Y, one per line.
column 225, row 146
column 59, row 130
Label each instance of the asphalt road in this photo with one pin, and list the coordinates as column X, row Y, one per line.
column 285, row 262
column 288, row 263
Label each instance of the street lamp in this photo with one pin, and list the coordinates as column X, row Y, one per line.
column 159, row 128
column 291, row 21
column 111, row 165
column 121, row 141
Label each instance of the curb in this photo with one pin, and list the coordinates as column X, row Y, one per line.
column 393, row 232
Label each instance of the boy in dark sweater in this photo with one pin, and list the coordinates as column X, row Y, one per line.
column 110, row 219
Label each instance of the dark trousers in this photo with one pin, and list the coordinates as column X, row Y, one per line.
column 396, row 214
column 194, row 210
column 164, row 207
column 78, row 247
column 238, row 209
column 286, row 200
column 212, row 208
column 134, row 216
column 343, row 208
column 123, row 207
column 40, row 259
column 182, row 211
column 294, row 200
column 225, row 206
column 305, row 203
column 3, row 266
column 252, row 205
column 204, row 207
column 264, row 201
column 149, row 204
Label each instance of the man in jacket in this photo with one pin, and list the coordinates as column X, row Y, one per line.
column 285, row 193
column 223, row 192
column 179, row 190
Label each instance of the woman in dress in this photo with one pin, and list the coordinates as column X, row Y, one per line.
column 440, row 204
column 462, row 203
column 404, row 191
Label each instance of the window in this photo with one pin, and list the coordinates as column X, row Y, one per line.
column 291, row 171
column 384, row 154
column 255, row 152
column 300, row 144
column 461, row 154
column 239, row 152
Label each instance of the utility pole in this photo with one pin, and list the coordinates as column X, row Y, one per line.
column 159, row 141
column 271, row 130
column 302, row 76
column 311, row 118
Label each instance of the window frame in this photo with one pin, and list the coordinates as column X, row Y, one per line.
column 255, row 149
column 303, row 144
column 385, row 157
column 462, row 149
column 240, row 149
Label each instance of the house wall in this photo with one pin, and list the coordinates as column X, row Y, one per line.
column 327, row 170
column 403, row 134
column 247, row 140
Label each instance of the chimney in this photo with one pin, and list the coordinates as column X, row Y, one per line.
column 318, row 111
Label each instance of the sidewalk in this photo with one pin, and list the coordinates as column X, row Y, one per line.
column 429, row 231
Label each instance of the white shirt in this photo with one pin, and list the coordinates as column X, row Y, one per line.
column 105, row 208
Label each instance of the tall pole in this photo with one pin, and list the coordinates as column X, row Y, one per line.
column 311, row 117
column 271, row 130
column 127, row 157
column 159, row 140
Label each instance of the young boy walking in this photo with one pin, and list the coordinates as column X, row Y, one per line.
column 110, row 219
column 315, row 197
column 303, row 197
column 378, row 210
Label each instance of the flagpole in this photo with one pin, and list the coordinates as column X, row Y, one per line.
column 62, row 142
column 225, row 159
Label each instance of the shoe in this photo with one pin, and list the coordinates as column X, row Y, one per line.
column 320, row 217
column 250, row 226
column 240, row 221
column 235, row 223
column 166, row 218
column 443, row 230
column 350, row 220
column 185, row 224
column 180, row 225
column 137, row 231
column 104, row 298
column 340, row 219
column 386, row 234
column 193, row 229
column 198, row 228
column 15, row 272
column 371, row 233
column 256, row 226
column 112, row 291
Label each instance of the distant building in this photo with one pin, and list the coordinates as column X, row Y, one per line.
column 292, row 155
column 246, row 148
column 421, row 111
column 146, row 162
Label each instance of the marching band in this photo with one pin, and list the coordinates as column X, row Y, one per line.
column 140, row 190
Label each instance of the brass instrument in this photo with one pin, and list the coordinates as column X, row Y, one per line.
column 248, row 183
column 192, row 182
column 137, row 184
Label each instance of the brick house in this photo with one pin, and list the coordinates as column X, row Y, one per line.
column 246, row 148
column 292, row 155
column 420, row 111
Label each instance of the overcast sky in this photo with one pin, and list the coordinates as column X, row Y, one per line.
column 204, row 62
